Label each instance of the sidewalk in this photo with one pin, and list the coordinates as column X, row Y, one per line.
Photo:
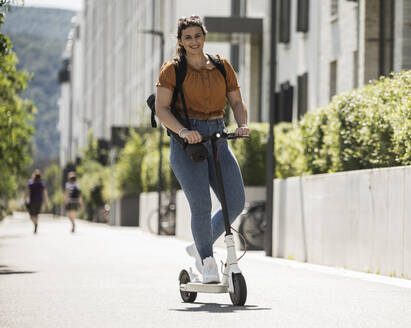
column 103, row 276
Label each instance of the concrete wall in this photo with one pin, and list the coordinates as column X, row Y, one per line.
column 149, row 211
column 124, row 212
column 130, row 211
column 358, row 220
column 183, row 216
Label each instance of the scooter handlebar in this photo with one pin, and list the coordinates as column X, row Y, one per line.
column 233, row 136
column 221, row 135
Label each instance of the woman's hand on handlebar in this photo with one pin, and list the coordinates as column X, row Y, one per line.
column 242, row 130
column 192, row 136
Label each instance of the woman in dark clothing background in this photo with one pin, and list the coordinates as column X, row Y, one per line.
column 36, row 194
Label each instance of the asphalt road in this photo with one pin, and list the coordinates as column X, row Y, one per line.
column 104, row 276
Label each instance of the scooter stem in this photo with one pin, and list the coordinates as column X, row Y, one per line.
column 220, row 183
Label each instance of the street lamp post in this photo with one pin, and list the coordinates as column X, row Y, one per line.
column 160, row 143
column 270, row 157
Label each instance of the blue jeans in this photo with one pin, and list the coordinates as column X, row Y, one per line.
column 196, row 179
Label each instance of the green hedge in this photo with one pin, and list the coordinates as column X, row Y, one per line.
column 137, row 167
column 364, row 128
column 250, row 153
column 94, row 181
column 129, row 166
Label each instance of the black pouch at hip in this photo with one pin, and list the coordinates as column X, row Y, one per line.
column 196, row 152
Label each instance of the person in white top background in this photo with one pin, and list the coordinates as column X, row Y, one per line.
column 72, row 198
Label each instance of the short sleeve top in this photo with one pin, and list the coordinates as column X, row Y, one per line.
column 205, row 90
column 36, row 189
column 74, row 191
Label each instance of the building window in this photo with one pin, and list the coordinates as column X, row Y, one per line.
column 333, row 79
column 287, row 92
column 284, row 103
column 285, row 20
column 302, row 15
column 334, row 8
column 302, row 84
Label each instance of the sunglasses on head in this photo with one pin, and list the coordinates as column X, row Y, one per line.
column 182, row 19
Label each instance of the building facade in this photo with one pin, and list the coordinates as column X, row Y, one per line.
column 324, row 48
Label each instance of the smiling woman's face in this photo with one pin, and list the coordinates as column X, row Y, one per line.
column 192, row 39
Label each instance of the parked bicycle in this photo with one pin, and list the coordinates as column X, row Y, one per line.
column 253, row 225
column 167, row 220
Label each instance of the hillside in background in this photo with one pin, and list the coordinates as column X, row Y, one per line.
column 39, row 36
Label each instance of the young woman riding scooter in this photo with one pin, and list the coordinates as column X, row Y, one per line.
column 205, row 92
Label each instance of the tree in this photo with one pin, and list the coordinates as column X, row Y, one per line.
column 16, row 116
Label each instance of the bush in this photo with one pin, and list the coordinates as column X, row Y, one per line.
column 360, row 129
column 129, row 166
column 137, row 168
column 288, row 151
column 94, row 182
column 250, row 154
column 53, row 177
column 151, row 163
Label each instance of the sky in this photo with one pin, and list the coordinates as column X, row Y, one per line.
column 62, row 4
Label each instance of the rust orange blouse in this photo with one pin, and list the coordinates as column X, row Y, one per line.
column 205, row 90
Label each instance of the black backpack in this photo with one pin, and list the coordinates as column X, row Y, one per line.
column 181, row 69
column 75, row 192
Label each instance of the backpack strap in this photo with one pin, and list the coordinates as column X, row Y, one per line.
column 219, row 65
column 180, row 68
column 151, row 100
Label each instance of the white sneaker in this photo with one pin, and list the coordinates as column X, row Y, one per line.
column 192, row 251
column 210, row 271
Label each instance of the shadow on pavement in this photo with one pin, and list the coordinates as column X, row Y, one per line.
column 4, row 270
column 219, row 308
column 10, row 236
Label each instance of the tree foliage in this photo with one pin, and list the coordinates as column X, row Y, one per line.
column 53, row 177
column 16, row 116
column 39, row 36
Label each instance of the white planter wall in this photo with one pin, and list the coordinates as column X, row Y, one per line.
column 358, row 220
column 149, row 211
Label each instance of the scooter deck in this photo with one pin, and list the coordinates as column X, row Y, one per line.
column 199, row 287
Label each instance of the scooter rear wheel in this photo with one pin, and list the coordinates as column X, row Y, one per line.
column 240, row 290
column 188, row 297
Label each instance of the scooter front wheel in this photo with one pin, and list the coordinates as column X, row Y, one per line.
column 240, row 290
column 184, row 278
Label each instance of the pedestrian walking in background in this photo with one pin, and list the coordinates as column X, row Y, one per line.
column 72, row 198
column 205, row 89
column 35, row 195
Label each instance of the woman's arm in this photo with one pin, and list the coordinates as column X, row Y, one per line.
column 66, row 196
column 46, row 197
column 163, row 101
column 240, row 112
column 26, row 195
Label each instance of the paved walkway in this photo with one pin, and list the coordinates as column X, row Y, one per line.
column 104, row 276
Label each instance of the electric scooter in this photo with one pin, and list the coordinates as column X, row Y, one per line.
column 233, row 281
